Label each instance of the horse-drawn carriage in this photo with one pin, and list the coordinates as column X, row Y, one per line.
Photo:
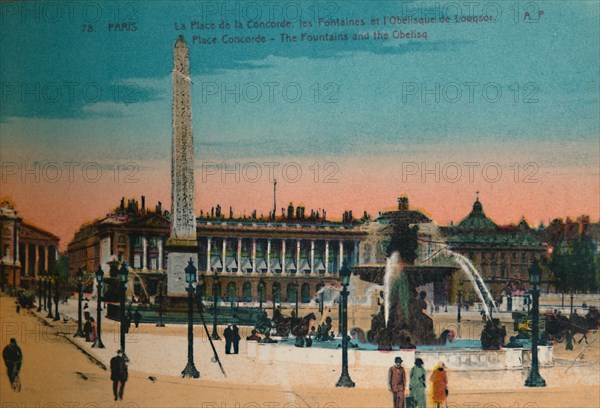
column 285, row 325
column 558, row 326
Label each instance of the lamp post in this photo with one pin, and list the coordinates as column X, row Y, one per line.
column 79, row 332
column 160, row 323
column 45, row 280
column 321, row 306
column 39, row 309
column 458, row 318
column 535, row 379
column 571, row 304
column 99, row 276
column 50, row 315
column 215, row 335
column 56, row 297
column 261, row 290
column 296, row 290
column 123, row 275
column 345, row 380
column 190, row 370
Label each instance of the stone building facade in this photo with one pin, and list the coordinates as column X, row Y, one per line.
column 253, row 258
column 25, row 250
column 501, row 254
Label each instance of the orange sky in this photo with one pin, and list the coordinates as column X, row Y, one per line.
column 360, row 183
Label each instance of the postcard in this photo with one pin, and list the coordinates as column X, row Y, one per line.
column 300, row 203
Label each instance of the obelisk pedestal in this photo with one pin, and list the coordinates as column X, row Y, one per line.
column 182, row 244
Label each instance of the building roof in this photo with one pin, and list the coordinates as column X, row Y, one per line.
column 477, row 220
column 477, row 229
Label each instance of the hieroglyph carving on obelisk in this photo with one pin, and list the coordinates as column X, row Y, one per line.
column 183, row 225
column 182, row 244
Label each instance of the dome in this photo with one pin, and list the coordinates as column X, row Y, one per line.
column 477, row 219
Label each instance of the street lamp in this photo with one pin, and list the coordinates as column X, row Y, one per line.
column 571, row 305
column 99, row 276
column 458, row 318
column 160, row 302
column 322, row 299
column 123, row 275
column 56, row 297
column 535, row 379
column 215, row 335
column 345, row 380
column 45, row 280
column 39, row 309
column 296, row 290
column 79, row 332
column 190, row 370
column 50, row 315
column 261, row 293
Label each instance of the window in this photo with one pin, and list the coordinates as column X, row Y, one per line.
column 247, row 292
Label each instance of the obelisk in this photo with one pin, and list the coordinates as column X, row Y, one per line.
column 182, row 244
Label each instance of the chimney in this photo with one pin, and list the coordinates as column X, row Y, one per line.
column 143, row 204
column 403, row 203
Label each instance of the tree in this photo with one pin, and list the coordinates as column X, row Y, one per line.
column 575, row 266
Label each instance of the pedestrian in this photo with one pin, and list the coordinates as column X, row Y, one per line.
column 137, row 318
column 87, row 326
column 417, row 384
column 118, row 374
column 397, row 381
column 228, row 334
column 93, row 328
column 439, row 385
column 569, row 338
column 18, row 307
column 235, row 338
column 13, row 358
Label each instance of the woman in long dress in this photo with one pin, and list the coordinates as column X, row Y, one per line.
column 439, row 385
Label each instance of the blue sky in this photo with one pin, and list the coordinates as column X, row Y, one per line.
column 362, row 105
column 554, row 60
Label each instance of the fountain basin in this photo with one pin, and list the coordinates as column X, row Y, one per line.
column 457, row 359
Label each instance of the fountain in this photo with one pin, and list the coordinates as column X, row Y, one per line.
column 403, row 319
column 478, row 284
column 130, row 288
column 404, row 252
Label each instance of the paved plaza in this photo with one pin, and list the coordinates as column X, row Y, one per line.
column 59, row 370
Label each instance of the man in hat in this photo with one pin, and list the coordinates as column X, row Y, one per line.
column 397, row 380
column 118, row 374
column 13, row 358
column 417, row 384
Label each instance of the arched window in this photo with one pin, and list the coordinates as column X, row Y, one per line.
column 305, row 293
column 232, row 292
column 247, row 292
column 291, row 292
column 262, row 292
column 276, row 288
